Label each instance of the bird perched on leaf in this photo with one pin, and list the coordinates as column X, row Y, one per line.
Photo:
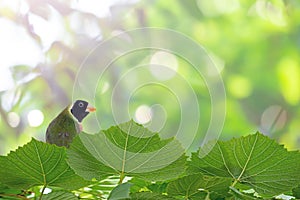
column 67, row 124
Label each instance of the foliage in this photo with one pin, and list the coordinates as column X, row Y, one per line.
column 130, row 152
column 38, row 164
column 255, row 161
column 51, row 55
column 129, row 149
column 255, row 45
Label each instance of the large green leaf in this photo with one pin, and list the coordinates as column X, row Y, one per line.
column 120, row 192
column 196, row 186
column 8, row 193
column 149, row 196
column 238, row 195
column 171, row 171
column 86, row 165
column 60, row 195
column 38, row 163
column 142, row 185
column 254, row 160
column 127, row 149
column 296, row 192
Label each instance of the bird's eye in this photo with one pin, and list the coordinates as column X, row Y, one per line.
column 80, row 104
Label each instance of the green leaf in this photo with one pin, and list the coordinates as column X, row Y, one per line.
column 193, row 186
column 120, row 192
column 142, row 185
column 296, row 192
column 38, row 163
column 60, row 195
column 9, row 193
column 158, row 187
column 166, row 173
column 138, row 185
column 106, row 186
column 239, row 195
column 84, row 164
column 127, row 149
column 254, row 160
column 149, row 196
column 3, row 188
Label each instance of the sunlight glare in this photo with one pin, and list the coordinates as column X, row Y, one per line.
column 46, row 191
column 143, row 114
column 18, row 48
column 163, row 65
column 35, row 118
column 13, row 119
column 93, row 7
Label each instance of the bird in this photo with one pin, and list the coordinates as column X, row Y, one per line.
column 67, row 124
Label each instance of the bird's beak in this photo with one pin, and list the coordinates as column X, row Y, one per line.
column 90, row 108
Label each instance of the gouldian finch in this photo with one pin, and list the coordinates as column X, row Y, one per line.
column 67, row 124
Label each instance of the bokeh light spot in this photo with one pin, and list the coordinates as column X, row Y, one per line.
column 105, row 87
column 164, row 65
column 273, row 119
column 143, row 114
column 239, row 86
column 13, row 119
column 289, row 79
column 217, row 7
column 270, row 11
column 35, row 118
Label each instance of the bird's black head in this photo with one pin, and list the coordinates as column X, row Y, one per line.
column 81, row 109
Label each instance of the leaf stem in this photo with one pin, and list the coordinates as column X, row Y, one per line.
column 122, row 176
column 234, row 183
column 207, row 196
column 124, row 156
column 246, row 164
column 42, row 192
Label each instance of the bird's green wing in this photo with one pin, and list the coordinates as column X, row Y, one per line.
column 62, row 129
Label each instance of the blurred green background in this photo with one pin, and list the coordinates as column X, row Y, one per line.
column 254, row 44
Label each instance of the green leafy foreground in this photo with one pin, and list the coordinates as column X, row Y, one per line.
column 130, row 162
